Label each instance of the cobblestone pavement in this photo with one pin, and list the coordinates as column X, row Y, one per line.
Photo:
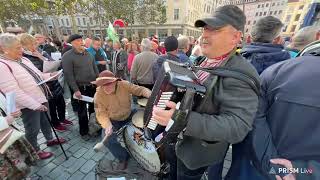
column 82, row 158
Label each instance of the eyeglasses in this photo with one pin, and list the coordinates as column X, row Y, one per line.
column 212, row 29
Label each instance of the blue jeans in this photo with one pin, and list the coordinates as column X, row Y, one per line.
column 113, row 145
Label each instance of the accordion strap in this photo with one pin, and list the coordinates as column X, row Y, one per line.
column 234, row 73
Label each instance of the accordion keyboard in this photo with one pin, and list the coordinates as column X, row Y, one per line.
column 165, row 97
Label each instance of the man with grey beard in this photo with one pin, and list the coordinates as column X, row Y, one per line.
column 80, row 70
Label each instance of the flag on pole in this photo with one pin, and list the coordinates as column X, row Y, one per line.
column 112, row 34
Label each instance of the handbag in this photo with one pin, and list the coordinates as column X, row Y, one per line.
column 8, row 137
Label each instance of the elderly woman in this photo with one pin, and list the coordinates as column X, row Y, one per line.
column 16, row 160
column 133, row 50
column 19, row 75
column 56, row 101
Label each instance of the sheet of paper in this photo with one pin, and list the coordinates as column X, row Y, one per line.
column 56, row 55
column 52, row 77
column 51, row 66
column 84, row 98
column 11, row 102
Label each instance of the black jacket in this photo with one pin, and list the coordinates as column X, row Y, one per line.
column 54, row 85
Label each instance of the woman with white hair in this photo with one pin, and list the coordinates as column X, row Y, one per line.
column 19, row 75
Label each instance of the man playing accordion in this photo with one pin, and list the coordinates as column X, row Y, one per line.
column 230, row 105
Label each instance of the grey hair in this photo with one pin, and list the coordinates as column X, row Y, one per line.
column 183, row 42
column 304, row 37
column 6, row 40
column 266, row 30
column 146, row 44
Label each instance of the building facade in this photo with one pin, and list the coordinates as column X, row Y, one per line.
column 294, row 15
column 180, row 14
column 256, row 9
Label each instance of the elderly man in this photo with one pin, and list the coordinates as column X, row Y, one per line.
column 98, row 54
column 80, row 70
column 141, row 71
column 183, row 48
column 43, row 45
column 266, row 47
column 113, row 110
column 302, row 38
column 286, row 113
column 228, row 108
column 119, row 59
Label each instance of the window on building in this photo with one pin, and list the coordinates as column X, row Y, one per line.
column 280, row 11
column 247, row 30
column 58, row 23
column 267, row 5
column 249, row 22
column 297, row 17
column 301, row 7
column 79, row 23
column 288, row 18
column 265, row 13
column 205, row 7
column 293, row 28
column 262, row 5
column 270, row 13
column 273, row 4
column 84, row 21
column 62, row 22
column 67, row 21
column 91, row 21
column 254, row 22
column 176, row 14
column 208, row 9
column 275, row 12
column 259, row 6
column 257, row 13
column 260, row 14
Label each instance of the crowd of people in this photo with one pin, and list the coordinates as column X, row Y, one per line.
column 266, row 129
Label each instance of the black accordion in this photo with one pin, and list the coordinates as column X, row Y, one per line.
column 175, row 83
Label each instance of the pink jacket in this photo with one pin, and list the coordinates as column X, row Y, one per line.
column 130, row 60
column 28, row 94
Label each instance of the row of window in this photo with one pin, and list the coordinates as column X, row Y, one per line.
column 267, row 4
column 66, row 22
column 270, row 13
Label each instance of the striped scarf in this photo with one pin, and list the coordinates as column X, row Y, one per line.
column 203, row 75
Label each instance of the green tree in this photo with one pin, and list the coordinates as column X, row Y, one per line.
column 151, row 12
column 21, row 10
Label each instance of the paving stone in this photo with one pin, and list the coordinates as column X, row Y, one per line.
column 77, row 176
column 98, row 156
column 45, row 170
column 59, row 159
column 90, row 176
column 42, row 140
column 63, row 176
column 71, row 161
column 80, row 152
column 56, row 172
column 74, row 148
column 77, row 164
column 89, row 154
column 87, row 167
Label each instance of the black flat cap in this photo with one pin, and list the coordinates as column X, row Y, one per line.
column 74, row 37
column 171, row 43
column 223, row 16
